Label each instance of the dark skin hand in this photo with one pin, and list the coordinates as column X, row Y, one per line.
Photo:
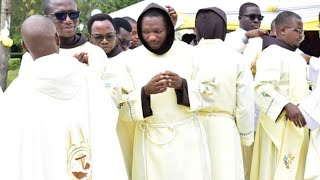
column 82, row 57
column 256, row 33
column 175, row 81
column 294, row 115
column 160, row 82
column 173, row 14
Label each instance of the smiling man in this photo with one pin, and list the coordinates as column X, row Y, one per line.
column 65, row 16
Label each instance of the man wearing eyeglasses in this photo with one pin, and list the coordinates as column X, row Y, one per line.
column 134, row 33
column 123, row 29
column 282, row 139
column 65, row 16
column 102, row 33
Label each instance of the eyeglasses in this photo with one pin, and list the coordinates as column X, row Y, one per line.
column 254, row 16
column 125, row 42
column 298, row 30
column 62, row 16
column 100, row 37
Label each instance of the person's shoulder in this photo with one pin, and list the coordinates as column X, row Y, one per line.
column 93, row 48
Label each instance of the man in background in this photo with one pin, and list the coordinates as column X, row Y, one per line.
column 65, row 15
column 134, row 33
column 102, row 33
column 123, row 30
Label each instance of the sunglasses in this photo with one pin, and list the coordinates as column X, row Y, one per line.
column 62, row 16
column 125, row 42
column 100, row 37
column 254, row 16
column 298, row 30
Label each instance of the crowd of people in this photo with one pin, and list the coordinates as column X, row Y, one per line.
column 133, row 102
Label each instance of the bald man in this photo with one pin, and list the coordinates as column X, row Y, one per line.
column 65, row 16
column 57, row 122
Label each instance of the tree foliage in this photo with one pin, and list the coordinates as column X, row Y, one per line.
column 21, row 9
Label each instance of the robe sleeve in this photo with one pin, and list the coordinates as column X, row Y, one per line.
column 268, row 76
column 244, row 110
column 314, row 67
column 146, row 104
column 97, row 60
column 200, row 94
column 200, row 89
column 237, row 40
column 130, row 108
column 183, row 94
column 311, row 105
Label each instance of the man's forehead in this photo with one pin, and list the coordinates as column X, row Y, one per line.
column 55, row 5
column 252, row 10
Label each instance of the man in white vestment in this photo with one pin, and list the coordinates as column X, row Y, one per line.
column 222, row 94
column 65, row 16
column 169, row 141
column 246, row 40
column 281, row 142
column 57, row 122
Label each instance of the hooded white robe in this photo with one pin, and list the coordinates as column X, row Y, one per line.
column 57, row 123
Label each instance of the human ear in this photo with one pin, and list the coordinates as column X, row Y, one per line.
column 24, row 46
column 57, row 39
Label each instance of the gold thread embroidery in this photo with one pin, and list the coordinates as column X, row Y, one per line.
column 79, row 158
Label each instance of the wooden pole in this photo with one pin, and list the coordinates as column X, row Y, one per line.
column 4, row 51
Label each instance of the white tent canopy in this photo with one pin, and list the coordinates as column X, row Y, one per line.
column 307, row 9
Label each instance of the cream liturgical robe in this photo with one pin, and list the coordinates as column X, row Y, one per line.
column 96, row 61
column 280, row 147
column 311, row 106
column 170, row 144
column 58, row 124
column 224, row 100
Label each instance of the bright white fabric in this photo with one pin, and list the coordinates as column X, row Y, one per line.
column 97, row 58
column 57, row 123
column 222, row 94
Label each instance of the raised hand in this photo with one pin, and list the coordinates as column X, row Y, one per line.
column 82, row 57
column 256, row 33
column 173, row 14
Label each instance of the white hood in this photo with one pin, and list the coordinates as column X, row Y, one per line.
column 58, row 77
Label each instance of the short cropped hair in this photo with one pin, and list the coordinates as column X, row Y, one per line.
column 46, row 5
column 98, row 17
column 243, row 7
column 130, row 20
column 285, row 18
column 121, row 23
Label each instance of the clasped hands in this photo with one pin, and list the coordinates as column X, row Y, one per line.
column 160, row 82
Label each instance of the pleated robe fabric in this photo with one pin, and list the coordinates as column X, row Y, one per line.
column 280, row 147
column 222, row 94
column 58, row 124
column 171, row 144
